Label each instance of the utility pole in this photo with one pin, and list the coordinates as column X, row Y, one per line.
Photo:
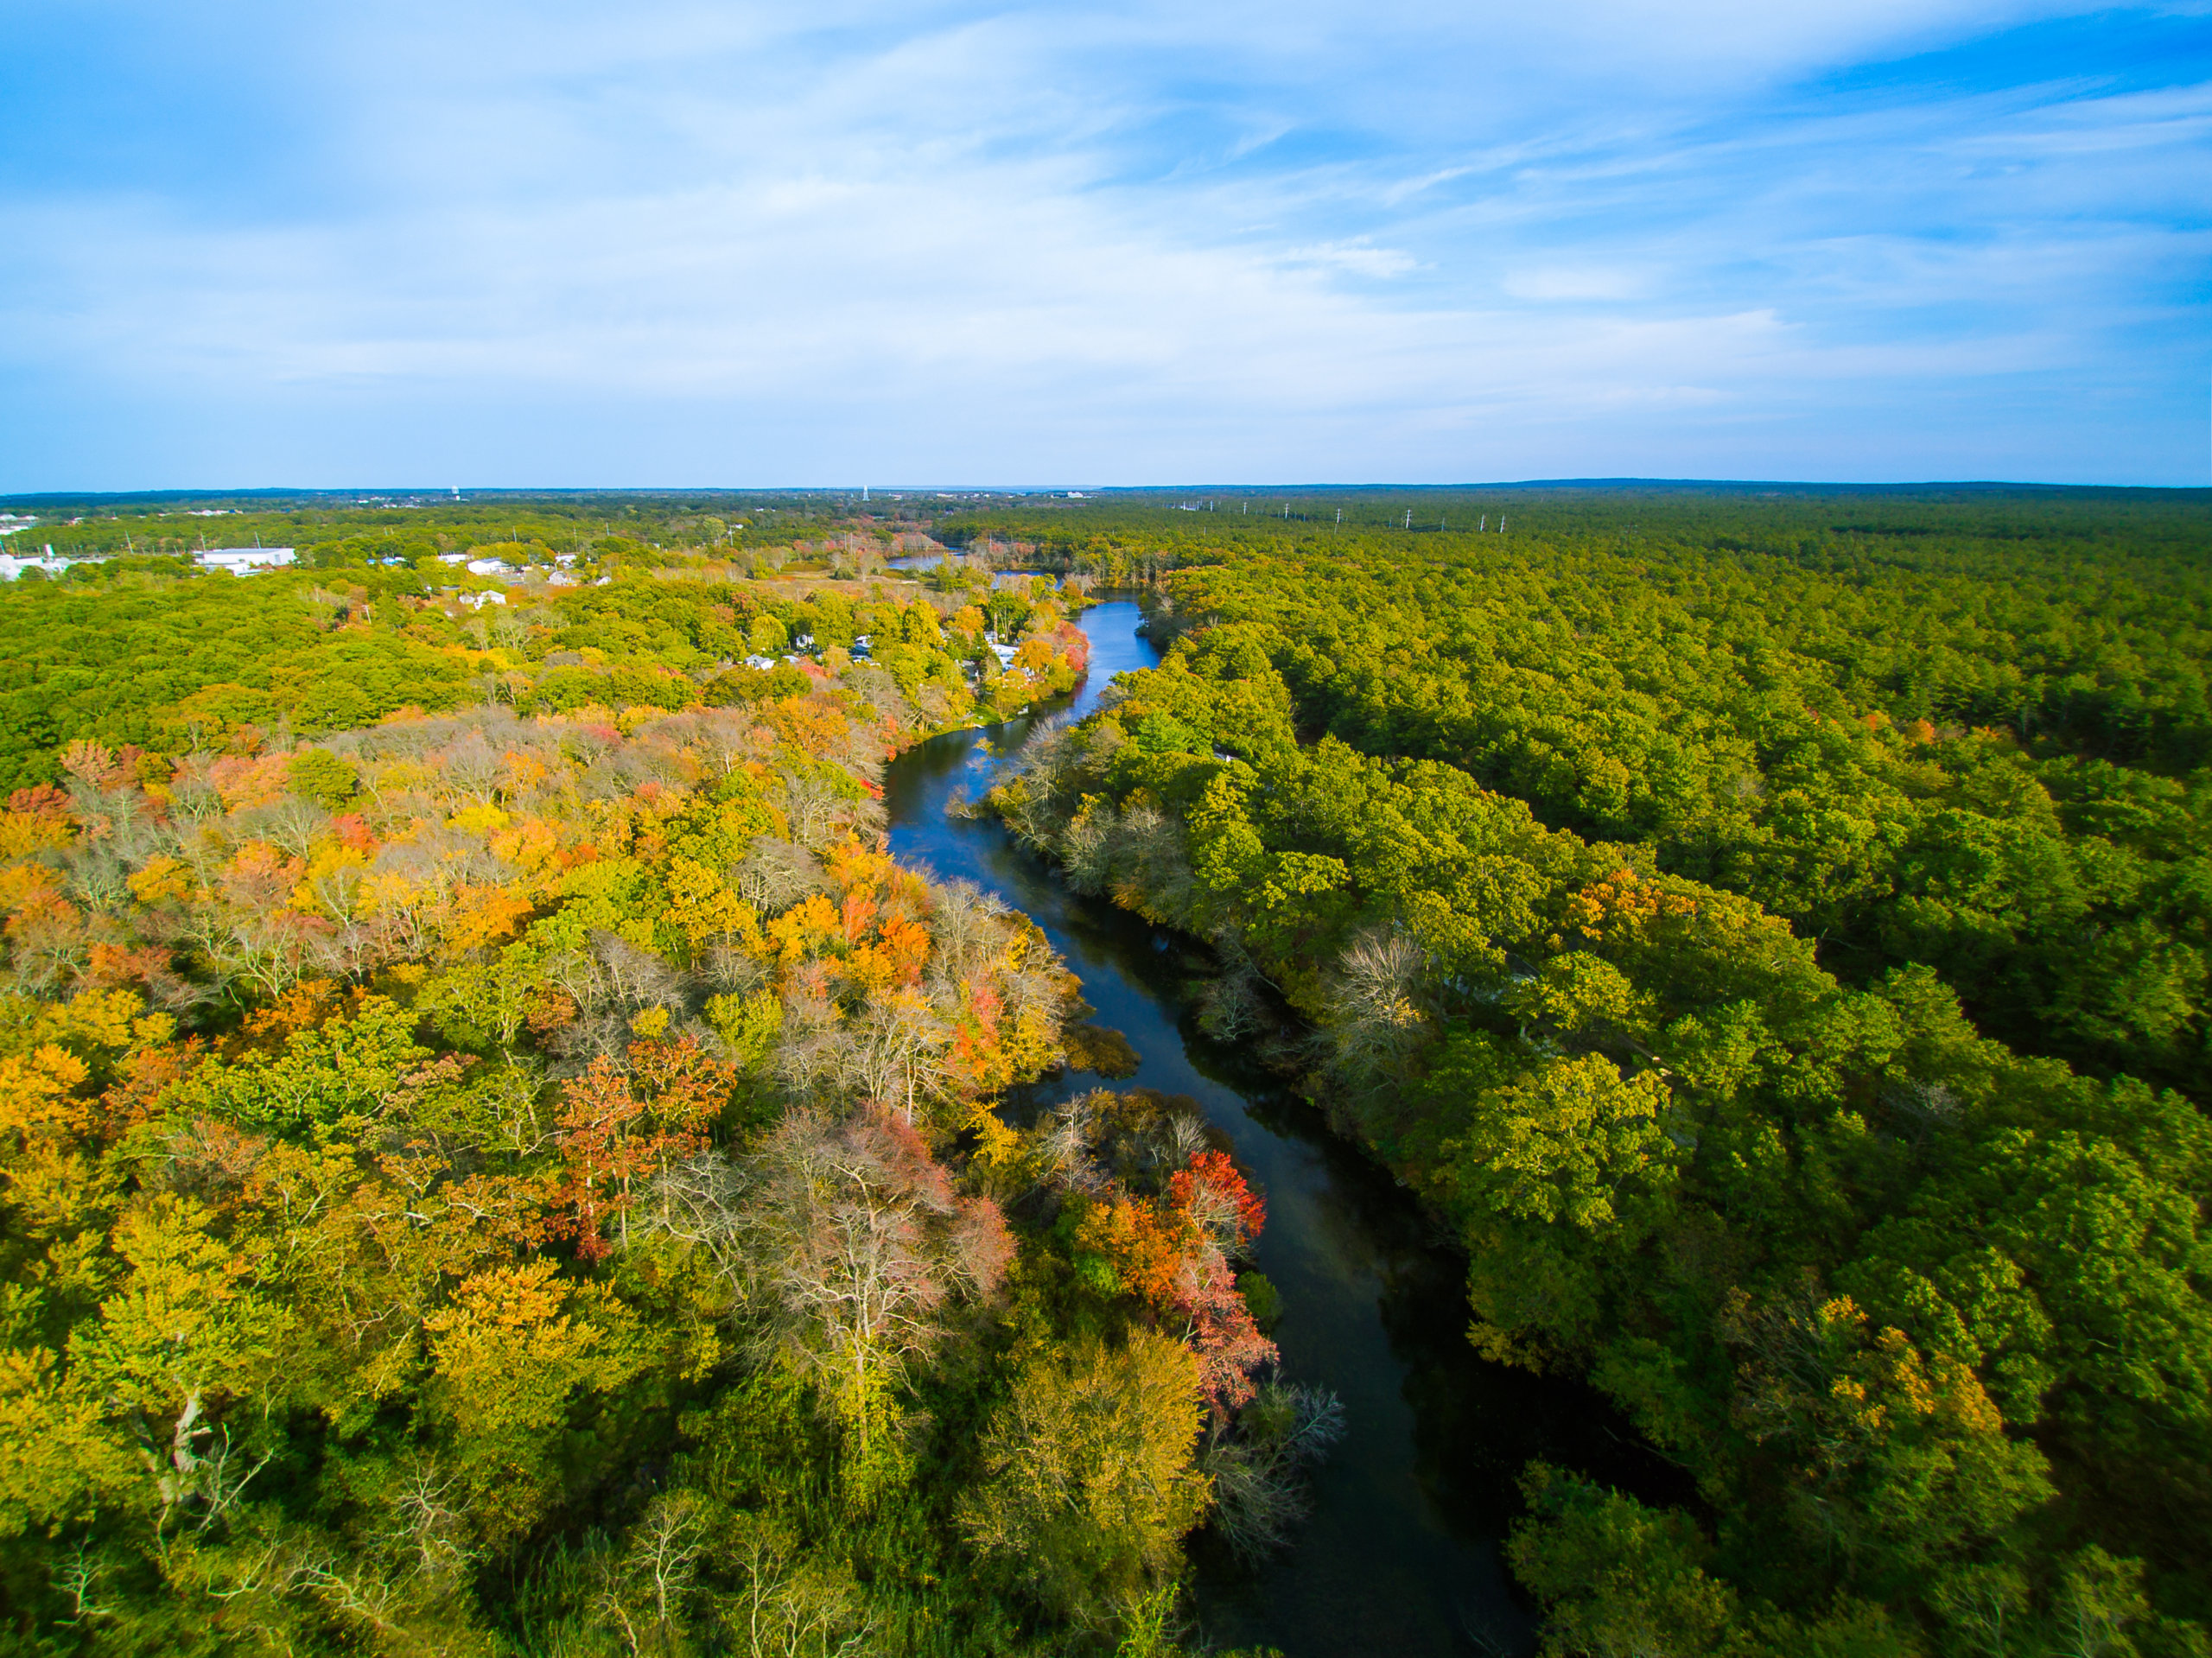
column 1409, row 517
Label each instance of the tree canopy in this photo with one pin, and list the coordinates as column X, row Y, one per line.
column 495, row 1156
column 1779, row 947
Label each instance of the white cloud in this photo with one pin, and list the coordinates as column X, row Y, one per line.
column 1039, row 244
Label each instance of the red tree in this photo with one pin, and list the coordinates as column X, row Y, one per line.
column 1231, row 1349
column 1220, row 1201
column 610, row 1134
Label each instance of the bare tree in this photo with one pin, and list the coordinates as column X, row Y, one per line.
column 792, row 1607
column 1260, row 1482
column 852, row 1230
column 427, row 1521
column 968, row 930
column 881, row 692
column 1086, row 845
column 727, row 738
column 632, row 977
column 729, row 967
column 818, row 808
column 471, row 767
column 1150, row 864
column 777, row 874
column 1379, row 1019
column 1230, row 1007
column 193, row 800
column 893, row 1052
column 645, row 1593
column 270, row 952
column 1065, row 1145
column 292, row 825
column 701, row 1203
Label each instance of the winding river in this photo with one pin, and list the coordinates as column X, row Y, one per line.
column 1401, row 1556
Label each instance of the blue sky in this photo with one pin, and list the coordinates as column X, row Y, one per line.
column 675, row 244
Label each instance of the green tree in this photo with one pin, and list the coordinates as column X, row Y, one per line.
column 323, row 777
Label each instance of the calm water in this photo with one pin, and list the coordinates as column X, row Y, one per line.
column 1402, row 1555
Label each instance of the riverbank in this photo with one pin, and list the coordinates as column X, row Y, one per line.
column 1402, row 1553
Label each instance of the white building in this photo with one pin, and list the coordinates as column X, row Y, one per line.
column 11, row 566
column 490, row 566
column 244, row 560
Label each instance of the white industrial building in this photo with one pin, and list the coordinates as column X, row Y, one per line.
column 11, row 566
column 243, row 560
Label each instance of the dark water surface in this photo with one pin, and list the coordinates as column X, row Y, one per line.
column 1402, row 1555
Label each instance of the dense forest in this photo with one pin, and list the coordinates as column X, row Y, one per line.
column 497, row 1158
column 1775, row 937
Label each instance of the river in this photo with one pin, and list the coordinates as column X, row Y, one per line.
column 1401, row 1556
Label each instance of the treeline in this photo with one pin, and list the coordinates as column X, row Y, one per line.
column 168, row 661
column 324, row 527
column 2076, row 540
column 1522, row 834
column 528, row 1178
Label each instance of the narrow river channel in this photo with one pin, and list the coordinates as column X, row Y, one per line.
column 1402, row 1555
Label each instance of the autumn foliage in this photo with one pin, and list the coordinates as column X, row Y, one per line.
column 472, row 1097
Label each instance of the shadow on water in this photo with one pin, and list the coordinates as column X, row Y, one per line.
column 1402, row 1553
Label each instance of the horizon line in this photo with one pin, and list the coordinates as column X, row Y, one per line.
column 447, row 493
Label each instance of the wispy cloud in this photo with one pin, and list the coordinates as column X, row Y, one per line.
column 684, row 243
column 1359, row 256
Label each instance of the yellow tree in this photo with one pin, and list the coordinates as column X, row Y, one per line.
column 1090, row 1485
column 517, row 1346
column 178, row 1347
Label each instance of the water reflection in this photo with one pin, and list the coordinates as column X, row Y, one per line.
column 1402, row 1555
